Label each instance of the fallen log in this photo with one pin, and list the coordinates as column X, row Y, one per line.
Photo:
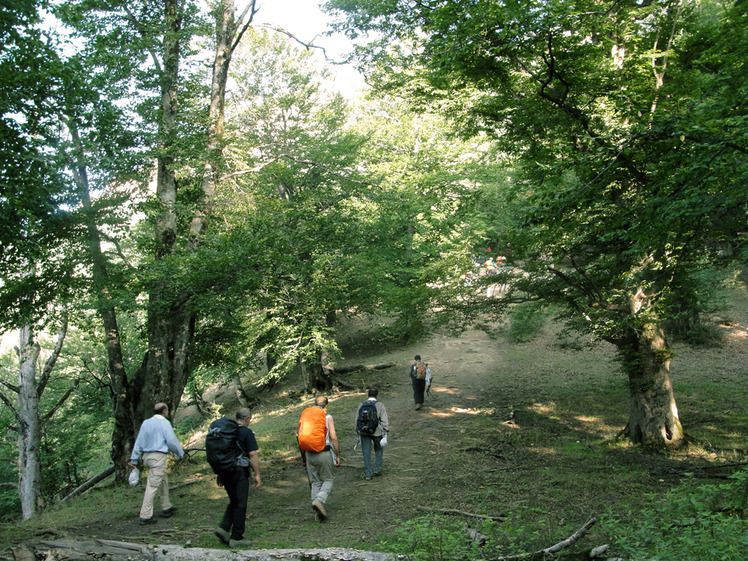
column 121, row 551
column 461, row 513
column 360, row 367
column 90, row 483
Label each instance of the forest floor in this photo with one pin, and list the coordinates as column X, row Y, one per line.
column 522, row 432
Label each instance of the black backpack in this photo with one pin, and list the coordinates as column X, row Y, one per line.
column 221, row 444
column 367, row 420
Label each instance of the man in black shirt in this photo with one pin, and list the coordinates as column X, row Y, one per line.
column 236, row 482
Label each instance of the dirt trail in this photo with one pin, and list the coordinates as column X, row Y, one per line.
column 419, row 441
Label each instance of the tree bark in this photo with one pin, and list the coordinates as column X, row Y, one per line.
column 29, row 427
column 653, row 413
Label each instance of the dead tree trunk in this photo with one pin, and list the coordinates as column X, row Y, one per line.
column 121, row 551
column 29, row 427
column 28, row 415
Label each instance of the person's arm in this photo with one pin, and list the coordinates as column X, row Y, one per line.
column 136, row 451
column 334, row 441
column 254, row 461
column 173, row 442
column 384, row 420
column 303, row 455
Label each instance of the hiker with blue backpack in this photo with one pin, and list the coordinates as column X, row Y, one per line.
column 231, row 449
column 372, row 426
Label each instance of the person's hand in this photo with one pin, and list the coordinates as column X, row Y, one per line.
column 257, row 481
column 337, row 461
column 219, row 482
column 132, row 465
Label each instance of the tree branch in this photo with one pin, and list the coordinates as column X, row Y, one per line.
column 299, row 41
column 462, row 513
column 550, row 551
column 62, row 400
column 10, row 386
column 238, row 36
column 50, row 362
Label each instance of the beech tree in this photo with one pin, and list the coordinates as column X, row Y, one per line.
column 624, row 125
column 153, row 40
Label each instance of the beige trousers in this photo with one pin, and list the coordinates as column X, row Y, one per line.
column 157, row 482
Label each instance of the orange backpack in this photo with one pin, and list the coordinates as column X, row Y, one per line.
column 312, row 429
column 420, row 371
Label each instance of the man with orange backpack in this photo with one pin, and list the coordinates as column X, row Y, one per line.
column 318, row 444
column 420, row 375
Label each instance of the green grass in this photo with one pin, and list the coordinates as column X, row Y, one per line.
column 539, row 449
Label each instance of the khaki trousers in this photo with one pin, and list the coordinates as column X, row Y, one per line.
column 157, row 482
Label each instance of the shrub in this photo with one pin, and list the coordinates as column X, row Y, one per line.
column 692, row 521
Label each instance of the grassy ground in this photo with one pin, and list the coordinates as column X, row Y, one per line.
column 522, row 433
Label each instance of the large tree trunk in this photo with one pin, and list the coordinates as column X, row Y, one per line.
column 653, row 414
column 29, row 427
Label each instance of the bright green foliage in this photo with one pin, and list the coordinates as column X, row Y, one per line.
column 326, row 212
column 624, row 125
column 692, row 521
column 622, row 183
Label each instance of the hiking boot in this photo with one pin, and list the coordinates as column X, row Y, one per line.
column 151, row 520
column 319, row 508
column 418, row 406
column 239, row 543
column 377, row 473
column 166, row 513
column 222, row 535
column 367, row 477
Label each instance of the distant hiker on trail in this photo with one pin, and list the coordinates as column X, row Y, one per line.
column 155, row 440
column 372, row 426
column 419, row 372
column 231, row 449
column 319, row 448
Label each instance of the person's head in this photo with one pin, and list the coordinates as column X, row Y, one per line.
column 373, row 392
column 244, row 415
column 418, row 357
column 321, row 401
column 161, row 409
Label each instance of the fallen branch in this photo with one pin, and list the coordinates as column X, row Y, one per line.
column 549, row 552
column 461, row 513
column 90, row 483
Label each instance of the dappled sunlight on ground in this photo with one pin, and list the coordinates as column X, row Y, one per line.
column 735, row 332
column 593, row 425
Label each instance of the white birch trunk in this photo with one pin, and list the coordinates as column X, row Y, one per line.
column 29, row 430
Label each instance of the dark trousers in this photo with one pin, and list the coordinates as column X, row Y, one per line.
column 236, row 483
column 419, row 386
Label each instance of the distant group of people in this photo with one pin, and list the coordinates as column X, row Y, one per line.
column 318, row 445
